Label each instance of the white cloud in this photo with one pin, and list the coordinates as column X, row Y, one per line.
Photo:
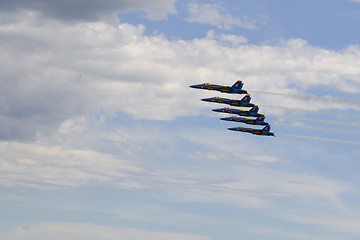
column 79, row 231
column 216, row 15
column 42, row 166
column 226, row 39
column 233, row 39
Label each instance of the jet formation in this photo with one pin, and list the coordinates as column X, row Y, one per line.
column 258, row 119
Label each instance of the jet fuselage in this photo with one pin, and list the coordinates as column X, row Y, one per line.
column 236, row 88
column 254, row 131
column 245, row 120
column 238, row 112
column 231, row 102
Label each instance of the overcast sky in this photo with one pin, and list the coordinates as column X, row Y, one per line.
column 102, row 138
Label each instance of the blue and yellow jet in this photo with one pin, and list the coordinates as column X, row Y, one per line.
column 265, row 131
column 236, row 88
column 257, row 121
column 244, row 102
column 253, row 112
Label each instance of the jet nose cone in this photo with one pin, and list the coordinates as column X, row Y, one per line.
column 234, row 119
column 207, row 99
column 196, row 86
column 218, row 110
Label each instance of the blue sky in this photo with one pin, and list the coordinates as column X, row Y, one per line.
column 101, row 137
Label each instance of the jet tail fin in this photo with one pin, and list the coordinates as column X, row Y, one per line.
column 266, row 129
column 246, row 99
column 261, row 119
column 254, row 109
column 237, row 86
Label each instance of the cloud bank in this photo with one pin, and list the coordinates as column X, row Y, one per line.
column 216, row 15
column 85, row 68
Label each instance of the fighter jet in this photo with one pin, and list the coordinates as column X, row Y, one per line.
column 244, row 102
column 257, row 121
column 236, row 88
column 265, row 131
column 253, row 112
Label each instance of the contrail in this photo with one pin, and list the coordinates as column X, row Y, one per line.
column 312, row 111
column 313, row 97
column 353, row 125
column 336, row 113
column 330, row 130
column 322, row 139
column 288, row 108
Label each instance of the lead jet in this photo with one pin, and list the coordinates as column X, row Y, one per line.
column 253, row 112
column 244, row 102
column 257, row 121
column 236, row 88
column 265, row 131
